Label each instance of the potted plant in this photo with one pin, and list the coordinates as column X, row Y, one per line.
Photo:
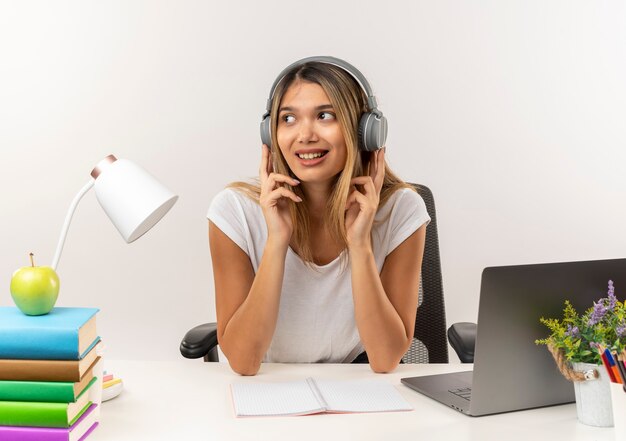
column 577, row 341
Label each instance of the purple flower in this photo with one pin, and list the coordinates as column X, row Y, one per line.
column 599, row 311
column 611, row 296
column 572, row 331
column 621, row 330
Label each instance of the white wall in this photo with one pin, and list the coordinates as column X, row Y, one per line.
column 513, row 112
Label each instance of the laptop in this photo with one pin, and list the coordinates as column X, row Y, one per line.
column 510, row 371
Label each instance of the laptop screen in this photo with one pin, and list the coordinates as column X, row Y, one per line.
column 511, row 372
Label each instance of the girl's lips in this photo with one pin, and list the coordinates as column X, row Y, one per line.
column 310, row 162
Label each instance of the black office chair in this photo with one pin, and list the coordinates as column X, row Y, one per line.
column 429, row 342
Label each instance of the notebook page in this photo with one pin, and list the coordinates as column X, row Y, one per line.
column 368, row 395
column 271, row 399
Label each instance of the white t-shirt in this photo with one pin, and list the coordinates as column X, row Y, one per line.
column 316, row 314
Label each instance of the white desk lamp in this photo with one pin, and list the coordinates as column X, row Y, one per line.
column 134, row 201
column 132, row 198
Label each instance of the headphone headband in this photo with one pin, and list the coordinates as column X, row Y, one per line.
column 353, row 71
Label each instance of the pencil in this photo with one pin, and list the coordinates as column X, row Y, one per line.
column 622, row 367
column 607, row 365
column 613, row 366
column 619, row 365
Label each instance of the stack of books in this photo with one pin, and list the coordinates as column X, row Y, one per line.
column 50, row 375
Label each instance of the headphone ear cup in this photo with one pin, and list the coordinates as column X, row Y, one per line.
column 266, row 135
column 372, row 131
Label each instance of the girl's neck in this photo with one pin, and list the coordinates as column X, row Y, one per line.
column 317, row 195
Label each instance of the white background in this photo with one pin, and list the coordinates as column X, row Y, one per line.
column 513, row 112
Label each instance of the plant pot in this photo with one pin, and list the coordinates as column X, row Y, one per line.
column 593, row 397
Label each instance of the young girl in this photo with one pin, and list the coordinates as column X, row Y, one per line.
column 320, row 260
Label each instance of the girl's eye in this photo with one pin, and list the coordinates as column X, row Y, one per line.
column 288, row 118
column 327, row 115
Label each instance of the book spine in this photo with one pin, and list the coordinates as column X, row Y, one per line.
column 49, row 391
column 33, row 344
column 33, row 434
column 39, row 370
column 22, row 413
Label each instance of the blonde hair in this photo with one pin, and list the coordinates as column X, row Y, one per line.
column 349, row 102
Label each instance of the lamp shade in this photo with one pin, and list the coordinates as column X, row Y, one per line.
column 133, row 199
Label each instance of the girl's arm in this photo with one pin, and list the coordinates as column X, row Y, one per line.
column 385, row 305
column 246, row 305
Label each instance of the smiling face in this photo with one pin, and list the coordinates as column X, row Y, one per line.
column 309, row 134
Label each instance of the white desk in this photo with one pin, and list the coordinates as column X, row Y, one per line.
column 190, row 400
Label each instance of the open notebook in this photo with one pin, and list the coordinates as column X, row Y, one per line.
column 311, row 396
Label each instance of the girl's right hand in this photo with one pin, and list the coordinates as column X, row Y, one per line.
column 273, row 200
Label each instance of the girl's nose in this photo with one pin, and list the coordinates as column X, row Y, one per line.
column 306, row 133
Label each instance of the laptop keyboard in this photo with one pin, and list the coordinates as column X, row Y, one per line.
column 464, row 393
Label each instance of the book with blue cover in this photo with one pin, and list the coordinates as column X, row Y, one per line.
column 62, row 334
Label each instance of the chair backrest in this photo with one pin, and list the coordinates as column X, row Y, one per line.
column 430, row 344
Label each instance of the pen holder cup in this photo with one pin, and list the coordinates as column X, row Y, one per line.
column 618, row 400
column 593, row 405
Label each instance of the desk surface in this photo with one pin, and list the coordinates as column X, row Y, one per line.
column 190, row 400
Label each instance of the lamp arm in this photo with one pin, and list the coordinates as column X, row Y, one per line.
column 68, row 219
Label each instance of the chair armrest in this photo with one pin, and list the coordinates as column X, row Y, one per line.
column 462, row 337
column 200, row 341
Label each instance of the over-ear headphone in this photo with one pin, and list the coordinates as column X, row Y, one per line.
column 372, row 131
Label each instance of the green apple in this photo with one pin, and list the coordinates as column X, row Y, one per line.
column 35, row 288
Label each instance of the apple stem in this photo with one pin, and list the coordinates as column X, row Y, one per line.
column 32, row 262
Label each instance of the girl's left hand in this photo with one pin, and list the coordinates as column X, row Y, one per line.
column 362, row 205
